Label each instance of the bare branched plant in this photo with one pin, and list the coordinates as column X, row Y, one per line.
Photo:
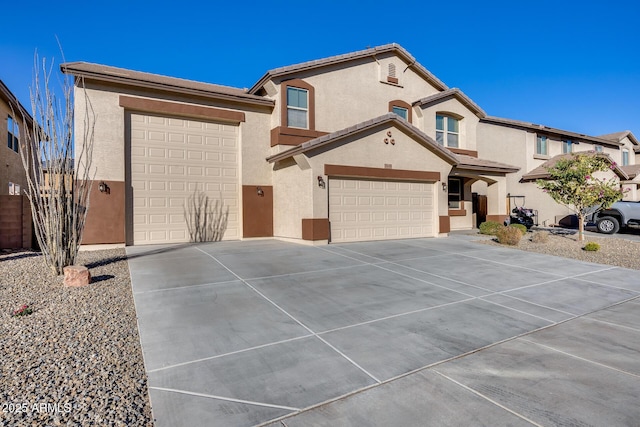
column 206, row 219
column 58, row 173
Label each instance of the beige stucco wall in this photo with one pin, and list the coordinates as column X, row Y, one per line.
column 293, row 189
column 109, row 146
column 352, row 93
column 11, row 169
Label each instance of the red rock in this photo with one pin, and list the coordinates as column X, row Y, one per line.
column 76, row 276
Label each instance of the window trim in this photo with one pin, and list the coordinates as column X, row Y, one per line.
column 401, row 104
column 598, row 148
column 459, row 194
column 540, row 138
column 445, row 131
column 13, row 140
column 311, row 106
column 568, row 143
column 625, row 151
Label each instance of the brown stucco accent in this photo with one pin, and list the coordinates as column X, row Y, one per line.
column 257, row 211
column 178, row 109
column 292, row 136
column 444, row 224
column 400, row 103
column 105, row 221
column 497, row 218
column 470, row 153
column 16, row 226
column 301, row 84
column 315, row 228
column 393, row 80
column 381, row 173
column 457, row 212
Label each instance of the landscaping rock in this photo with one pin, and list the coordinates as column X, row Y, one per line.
column 76, row 276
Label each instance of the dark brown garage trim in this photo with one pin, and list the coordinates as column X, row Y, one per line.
column 315, row 229
column 457, row 212
column 175, row 108
column 380, row 173
column 445, row 224
column 105, row 221
column 257, row 210
column 497, row 218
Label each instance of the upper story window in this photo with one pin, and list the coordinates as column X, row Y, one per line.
column 598, row 148
column 567, row 146
column 541, row 145
column 447, row 131
column 298, row 104
column 13, row 134
column 625, row 157
column 401, row 108
column 297, row 108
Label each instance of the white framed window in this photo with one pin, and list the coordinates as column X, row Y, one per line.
column 598, row 148
column 13, row 134
column 297, row 108
column 567, row 146
column 400, row 111
column 541, row 145
column 455, row 193
column 447, row 130
column 625, row 157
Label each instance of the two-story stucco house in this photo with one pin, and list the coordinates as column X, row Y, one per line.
column 13, row 119
column 364, row 146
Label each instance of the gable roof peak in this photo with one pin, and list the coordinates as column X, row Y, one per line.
column 453, row 93
column 348, row 57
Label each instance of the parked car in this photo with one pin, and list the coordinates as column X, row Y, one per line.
column 620, row 214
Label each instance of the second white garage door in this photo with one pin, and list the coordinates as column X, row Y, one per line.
column 361, row 210
column 172, row 159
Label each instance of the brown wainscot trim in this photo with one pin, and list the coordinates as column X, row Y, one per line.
column 497, row 218
column 457, row 212
column 315, row 229
column 393, row 80
column 257, row 211
column 292, row 136
column 380, row 173
column 105, row 221
column 178, row 109
column 445, row 224
column 465, row 152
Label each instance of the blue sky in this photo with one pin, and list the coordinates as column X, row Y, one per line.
column 567, row 64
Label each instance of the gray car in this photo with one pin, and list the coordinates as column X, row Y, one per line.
column 619, row 215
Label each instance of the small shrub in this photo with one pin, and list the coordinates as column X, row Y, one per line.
column 25, row 310
column 509, row 236
column 520, row 227
column 490, row 227
column 540, row 237
column 592, row 247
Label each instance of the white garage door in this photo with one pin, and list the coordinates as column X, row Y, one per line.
column 173, row 159
column 362, row 210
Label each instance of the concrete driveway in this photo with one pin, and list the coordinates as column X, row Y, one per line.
column 407, row 332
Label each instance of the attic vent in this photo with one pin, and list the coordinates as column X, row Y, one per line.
column 392, row 70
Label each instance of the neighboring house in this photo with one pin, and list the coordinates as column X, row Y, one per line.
column 364, row 146
column 13, row 119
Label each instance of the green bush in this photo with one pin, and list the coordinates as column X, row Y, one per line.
column 490, row 227
column 540, row 237
column 592, row 247
column 520, row 227
column 509, row 236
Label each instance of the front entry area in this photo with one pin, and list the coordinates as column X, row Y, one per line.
column 363, row 209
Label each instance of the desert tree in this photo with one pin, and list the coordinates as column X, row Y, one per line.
column 58, row 172
column 579, row 182
column 206, row 218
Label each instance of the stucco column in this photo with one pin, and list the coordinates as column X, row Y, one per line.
column 497, row 199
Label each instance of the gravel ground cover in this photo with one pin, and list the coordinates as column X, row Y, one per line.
column 76, row 360
column 613, row 250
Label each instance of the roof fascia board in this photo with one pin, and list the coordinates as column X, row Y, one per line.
column 250, row 100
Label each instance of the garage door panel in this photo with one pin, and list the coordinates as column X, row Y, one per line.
column 362, row 210
column 170, row 159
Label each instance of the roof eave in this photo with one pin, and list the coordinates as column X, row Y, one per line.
column 109, row 78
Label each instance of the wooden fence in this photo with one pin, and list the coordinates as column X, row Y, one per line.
column 16, row 226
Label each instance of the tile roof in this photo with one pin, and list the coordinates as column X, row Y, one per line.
column 156, row 81
column 631, row 170
column 452, row 93
column 549, row 130
column 541, row 171
column 339, row 59
column 460, row 161
column 619, row 136
column 14, row 104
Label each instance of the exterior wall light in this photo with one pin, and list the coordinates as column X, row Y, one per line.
column 444, row 186
column 104, row 188
column 260, row 191
column 321, row 182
